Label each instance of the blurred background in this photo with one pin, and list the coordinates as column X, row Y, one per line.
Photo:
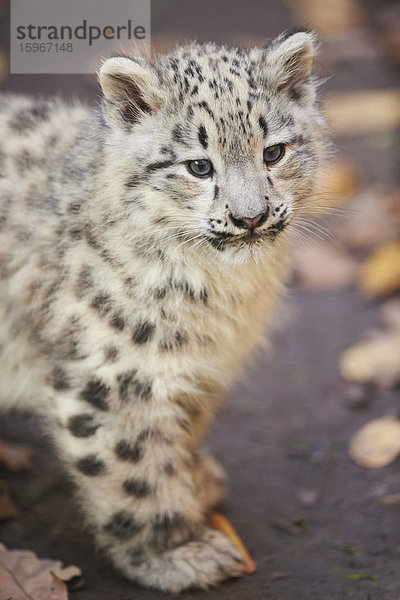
column 314, row 495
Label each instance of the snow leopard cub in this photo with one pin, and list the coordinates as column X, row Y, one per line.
column 142, row 251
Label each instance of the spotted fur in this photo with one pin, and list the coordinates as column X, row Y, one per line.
column 132, row 290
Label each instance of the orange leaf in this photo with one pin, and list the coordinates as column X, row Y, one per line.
column 222, row 524
column 380, row 274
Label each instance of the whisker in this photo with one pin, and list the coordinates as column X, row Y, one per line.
column 308, row 230
column 305, row 238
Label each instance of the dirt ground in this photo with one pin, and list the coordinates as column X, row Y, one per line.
column 309, row 516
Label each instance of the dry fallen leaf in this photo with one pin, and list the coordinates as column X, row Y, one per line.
column 8, row 510
column 330, row 19
column 4, row 69
column 388, row 31
column 380, row 274
column 222, row 524
column 338, row 180
column 324, row 267
column 373, row 361
column 357, row 113
column 390, row 312
column 23, row 576
column 377, row 444
column 15, row 456
column 366, row 222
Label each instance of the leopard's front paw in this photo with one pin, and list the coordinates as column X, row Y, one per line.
column 197, row 564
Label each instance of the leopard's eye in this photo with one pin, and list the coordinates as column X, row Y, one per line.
column 273, row 154
column 200, row 167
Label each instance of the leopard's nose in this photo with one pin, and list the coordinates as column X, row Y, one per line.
column 250, row 223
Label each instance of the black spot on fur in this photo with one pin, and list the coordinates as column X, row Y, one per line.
column 216, row 192
column 174, row 343
column 184, row 286
column 206, row 107
column 137, row 487
column 90, row 237
column 60, row 380
column 111, row 353
column 180, row 338
column 125, row 380
column 160, row 293
column 184, row 423
column 95, row 393
column 29, row 118
column 142, row 389
column 177, row 134
column 102, row 303
column 91, row 465
column 203, row 137
column 82, row 426
column 169, row 469
column 123, row 525
column 129, row 452
column 170, row 531
column 166, row 345
column 137, row 555
column 130, row 386
column 117, row 321
column 75, row 233
column 203, row 295
column 167, row 522
column 263, row 125
column 74, row 208
column 143, row 332
column 84, row 282
column 271, row 183
column 132, row 182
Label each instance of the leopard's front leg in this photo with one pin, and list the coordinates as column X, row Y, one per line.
column 133, row 464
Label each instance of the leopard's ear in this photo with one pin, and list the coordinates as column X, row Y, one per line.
column 130, row 89
column 289, row 62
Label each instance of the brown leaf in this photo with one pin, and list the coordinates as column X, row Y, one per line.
column 15, row 457
column 357, row 113
column 338, row 180
column 390, row 499
column 380, row 274
column 4, row 68
column 388, row 31
column 23, row 576
column 324, row 267
column 377, row 444
column 368, row 223
column 373, row 361
column 390, row 312
column 8, row 510
column 329, row 18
